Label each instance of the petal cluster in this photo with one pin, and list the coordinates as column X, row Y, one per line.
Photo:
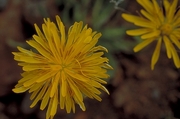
column 159, row 23
column 63, row 68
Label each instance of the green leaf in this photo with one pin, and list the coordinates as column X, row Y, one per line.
column 110, row 33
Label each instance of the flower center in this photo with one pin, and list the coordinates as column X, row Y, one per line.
column 58, row 67
column 166, row 29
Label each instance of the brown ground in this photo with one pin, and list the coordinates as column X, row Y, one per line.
column 136, row 91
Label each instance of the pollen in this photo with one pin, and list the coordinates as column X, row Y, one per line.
column 166, row 29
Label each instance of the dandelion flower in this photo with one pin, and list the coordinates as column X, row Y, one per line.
column 161, row 24
column 64, row 68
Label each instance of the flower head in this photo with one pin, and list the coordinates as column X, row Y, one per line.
column 64, row 69
column 157, row 23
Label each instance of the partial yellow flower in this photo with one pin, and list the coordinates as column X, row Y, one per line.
column 157, row 23
column 64, row 69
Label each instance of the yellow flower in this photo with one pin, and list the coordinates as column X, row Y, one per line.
column 157, row 23
column 64, row 69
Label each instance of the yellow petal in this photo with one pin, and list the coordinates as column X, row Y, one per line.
column 64, row 85
column 172, row 10
column 132, row 18
column 48, row 113
column 103, row 88
column 176, row 21
column 99, row 80
column 71, row 35
column 152, row 34
column 99, row 48
column 139, row 21
column 90, row 45
column 81, row 104
column 34, row 94
column 73, row 105
column 55, row 83
column 46, row 32
column 39, row 96
column 20, row 89
column 138, row 32
column 158, row 11
column 148, row 16
column 166, row 5
column 96, row 97
column 75, row 89
column 175, row 40
column 30, row 82
column 56, row 41
column 41, row 41
column 61, row 29
column 175, row 55
column 88, row 39
column 62, row 100
column 40, row 34
column 36, row 87
column 46, row 75
column 40, row 49
column 147, row 5
column 68, row 103
column 107, row 66
column 76, row 76
column 168, row 47
column 156, row 53
column 54, row 105
column 156, row 6
column 143, row 44
column 46, row 98
column 26, row 76
column 34, row 66
column 175, row 58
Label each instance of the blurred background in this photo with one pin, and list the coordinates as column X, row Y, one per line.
column 136, row 92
